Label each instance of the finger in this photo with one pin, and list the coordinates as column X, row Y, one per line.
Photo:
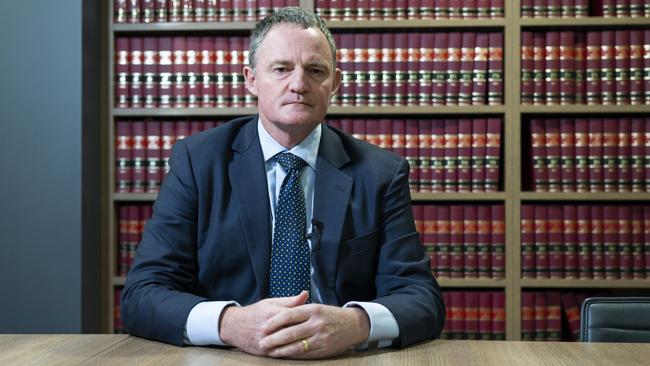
column 286, row 336
column 286, row 318
column 291, row 301
column 295, row 350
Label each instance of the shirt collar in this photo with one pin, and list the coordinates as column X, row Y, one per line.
column 307, row 149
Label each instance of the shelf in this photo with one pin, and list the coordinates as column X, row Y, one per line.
column 134, row 197
column 183, row 27
column 183, row 112
column 599, row 22
column 471, row 282
column 560, row 283
column 455, row 196
column 412, row 110
column 417, row 23
column 119, row 281
column 584, row 109
column 586, row 196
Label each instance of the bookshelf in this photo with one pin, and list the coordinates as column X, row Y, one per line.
column 511, row 111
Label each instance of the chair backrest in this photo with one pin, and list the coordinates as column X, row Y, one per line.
column 615, row 319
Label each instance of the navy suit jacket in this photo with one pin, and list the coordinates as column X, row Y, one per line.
column 209, row 237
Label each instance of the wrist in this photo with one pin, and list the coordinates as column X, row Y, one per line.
column 361, row 323
column 227, row 324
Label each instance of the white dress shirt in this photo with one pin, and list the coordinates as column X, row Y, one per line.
column 202, row 326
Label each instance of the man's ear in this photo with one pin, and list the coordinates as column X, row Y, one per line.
column 336, row 81
column 249, row 76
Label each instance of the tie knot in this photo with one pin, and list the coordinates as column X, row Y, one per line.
column 290, row 162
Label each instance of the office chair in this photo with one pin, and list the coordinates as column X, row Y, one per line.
column 615, row 319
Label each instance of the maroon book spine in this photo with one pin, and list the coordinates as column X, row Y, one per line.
column 593, row 95
column 441, row 54
column 570, row 240
column 150, row 70
column 335, row 10
column 123, row 241
column 138, row 157
column 349, row 10
column 468, row 9
column 540, row 172
column 152, row 154
column 555, row 242
column 596, row 155
column 197, row 126
column 467, row 53
column 464, row 155
column 611, row 242
column 238, row 10
column 453, row 68
column 187, row 10
column 372, row 131
column 411, row 149
column 136, row 73
column 346, row 63
column 235, row 45
column 359, row 129
column 179, row 73
column 207, row 69
column 498, row 243
column 597, row 262
column 539, row 83
column 528, row 241
column 470, row 241
column 552, row 68
column 424, row 155
column 133, row 219
column 471, row 315
column 182, row 130
column 484, row 315
column 174, row 10
column 451, row 155
column 456, row 314
column 133, row 11
column 161, row 12
column 479, row 135
column 193, row 75
column 647, row 153
column 438, row 156
column 580, row 67
column 454, row 9
column 526, row 8
column 553, row 8
column 638, row 259
column 567, row 74
column 430, row 235
column 387, row 69
column 554, row 316
column 225, row 10
column 622, row 8
column 581, row 8
column 401, row 69
column 646, row 238
column 541, row 242
column 498, row 315
column 480, row 71
column 540, row 315
column 636, row 68
column 637, row 142
column 222, row 77
column 168, row 130
column 200, row 10
column 581, row 138
column 425, row 90
column 607, row 67
column 264, row 9
column 385, row 133
column 483, row 240
column 123, row 166
column 636, row 8
column 572, row 314
column 527, row 316
column 361, row 69
column 496, row 8
column 165, row 72
column 442, row 240
column 624, row 155
column 122, row 65
column 426, row 9
column 399, row 137
column 374, row 71
column 567, row 9
column 441, row 9
column 622, row 66
column 413, row 69
column 250, row 14
column 625, row 241
column 567, row 155
column 527, row 67
column 456, row 229
column 493, row 154
column 413, row 9
column 552, row 141
column 610, row 154
column 119, row 11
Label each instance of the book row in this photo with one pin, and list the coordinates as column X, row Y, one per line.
column 585, row 241
column 143, row 148
column 180, row 72
column 584, row 8
column 543, row 314
column 131, row 220
column 411, row 9
column 589, row 155
column 595, row 67
column 161, row 11
column 417, row 68
column 474, row 315
column 463, row 241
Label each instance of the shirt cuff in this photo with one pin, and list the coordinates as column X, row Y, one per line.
column 383, row 326
column 202, row 325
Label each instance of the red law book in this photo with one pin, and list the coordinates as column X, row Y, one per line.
column 374, row 9
column 468, row 43
column 123, row 165
column 413, row 77
column 581, row 8
column 359, row 129
column 174, row 10
column 424, row 155
column 123, row 242
column 119, row 11
column 161, row 12
column 443, row 240
column 480, row 71
column 426, row 9
column 638, row 258
column 528, row 316
column 168, row 130
column 264, row 9
column 470, row 241
column 567, row 9
column 571, row 309
column 387, row 68
column 554, row 8
column 586, row 236
column 372, row 131
column 361, row 69
column 552, row 68
column 624, row 155
column 540, row 172
column 197, row 126
column 401, row 69
column 597, row 263
column 468, row 9
column 225, row 10
column 118, row 327
column 540, row 315
column 647, row 153
column 646, row 238
column 222, row 76
column 250, row 14
column 498, row 315
column 528, row 241
column 471, row 315
column 207, row 69
column 539, row 64
column 374, row 71
column 165, row 72
column 622, row 66
column 187, row 10
column 135, row 72
column 399, row 137
column 498, row 243
column 608, row 8
column 438, row 155
column 150, row 71
column 607, row 67
column 622, row 8
column 385, row 133
column 625, row 241
column 237, row 58
column 636, row 67
column 439, row 75
column 138, row 157
column 238, row 10
column 567, row 63
column 581, row 138
column 496, row 8
column 554, row 316
column 152, row 154
column 567, row 155
column 133, row 11
column 485, row 315
column 540, row 8
column 594, row 87
column 411, row 149
column 451, row 155
column 346, row 63
column 636, row 8
column 637, row 142
column 453, row 68
column 610, row 155
column 527, row 67
column 555, row 242
column 425, row 90
column 454, row 9
column 445, row 330
column 193, row 77
column 349, row 10
column 495, row 68
column 441, row 9
column 456, row 314
column 346, row 126
column 133, row 218
column 479, row 136
column 611, row 243
column 483, row 240
column 541, row 242
column 492, row 154
column 335, row 10
column 456, row 229
column 413, row 9
column 552, row 142
column 179, row 73
column 596, row 153
column 570, row 240
column 182, row 130
column 122, row 62
column 526, row 8
column 464, row 155
column 200, row 10
column 430, row 228
column 580, row 67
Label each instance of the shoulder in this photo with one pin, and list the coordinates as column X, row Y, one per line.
column 217, row 142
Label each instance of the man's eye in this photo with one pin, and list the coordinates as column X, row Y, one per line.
column 280, row 70
column 317, row 72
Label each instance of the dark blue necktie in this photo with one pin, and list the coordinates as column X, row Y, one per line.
column 290, row 252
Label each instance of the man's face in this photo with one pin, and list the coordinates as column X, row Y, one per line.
column 294, row 78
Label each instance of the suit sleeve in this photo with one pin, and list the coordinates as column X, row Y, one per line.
column 157, row 297
column 404, row 281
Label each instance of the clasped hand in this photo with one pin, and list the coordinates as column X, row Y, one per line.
column 277, row 327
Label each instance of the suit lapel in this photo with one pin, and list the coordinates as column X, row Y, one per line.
column 331, row 197
column 248, row 182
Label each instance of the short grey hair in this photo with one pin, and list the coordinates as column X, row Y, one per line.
column 290, row 15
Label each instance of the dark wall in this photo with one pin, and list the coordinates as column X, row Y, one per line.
column 41, row 169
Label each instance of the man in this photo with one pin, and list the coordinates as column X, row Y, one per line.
column 277, row 234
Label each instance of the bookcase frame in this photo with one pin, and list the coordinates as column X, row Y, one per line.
column 511, row 111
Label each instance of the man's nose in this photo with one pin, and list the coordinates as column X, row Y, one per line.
column 298, row 82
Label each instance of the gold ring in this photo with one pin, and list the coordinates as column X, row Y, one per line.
column 305, row 345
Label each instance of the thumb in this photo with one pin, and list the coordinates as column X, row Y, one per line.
column 292, row 301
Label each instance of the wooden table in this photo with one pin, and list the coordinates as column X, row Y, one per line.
column 126, row 350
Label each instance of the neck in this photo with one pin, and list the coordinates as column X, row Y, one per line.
column 289, row 137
